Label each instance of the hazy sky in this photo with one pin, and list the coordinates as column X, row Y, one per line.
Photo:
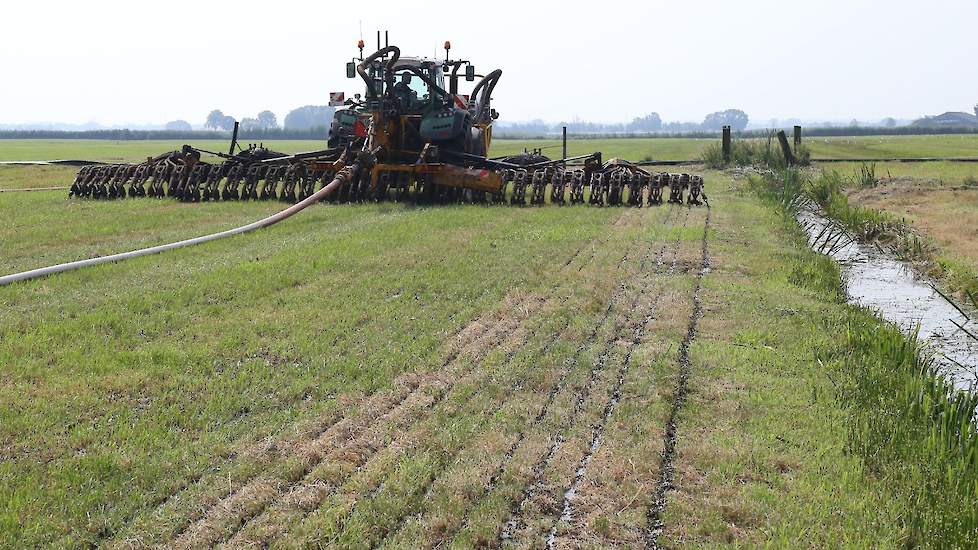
column 148, row 62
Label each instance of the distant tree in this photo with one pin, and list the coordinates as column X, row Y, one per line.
column 651, row 122
column 267, row 119
column 889, row 122
column 854, row 123
column 309, row 116
column 179, row 126
column 214, row 119
column 219, row 121
column 248, row 123
column 735, row 118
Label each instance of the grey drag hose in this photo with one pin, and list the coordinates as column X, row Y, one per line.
column 343, row 176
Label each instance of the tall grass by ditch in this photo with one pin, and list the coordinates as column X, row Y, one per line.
column 915, row 434
column 764, row 152
column 913, row 431
column 827, row 189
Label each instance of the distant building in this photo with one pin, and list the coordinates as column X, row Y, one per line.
column 950, row 119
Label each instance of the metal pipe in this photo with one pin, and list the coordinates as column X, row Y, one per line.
column 234, row 138
column 344, row 175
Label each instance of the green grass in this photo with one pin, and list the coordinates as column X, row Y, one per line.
column 631, row 149
column 124, row 151
column 118, row 151
column 122, row 384
column 23, row 177
column 932, row 173
column 123, row 379
column 964, row 145
column 911, row 429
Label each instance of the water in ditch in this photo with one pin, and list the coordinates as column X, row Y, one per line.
column 879, row 281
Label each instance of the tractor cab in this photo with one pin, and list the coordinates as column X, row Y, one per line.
column 414, row 104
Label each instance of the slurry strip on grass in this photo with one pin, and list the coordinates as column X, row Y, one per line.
column 567, row 508
column 682, row 388
column 493, row 337
column 512, row 528
column 281, row 516
column 358, row 529
column 493, row 478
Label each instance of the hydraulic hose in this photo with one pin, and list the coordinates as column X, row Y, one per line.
column 388, row 76
column 342, row 176
column 489, row 84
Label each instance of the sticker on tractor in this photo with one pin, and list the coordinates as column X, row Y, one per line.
column 359, row 129
column 337, row 99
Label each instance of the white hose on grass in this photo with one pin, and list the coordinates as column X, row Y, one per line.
column 342, row 176
column 33, row 189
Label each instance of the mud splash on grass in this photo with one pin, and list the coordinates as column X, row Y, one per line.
column 878, row 280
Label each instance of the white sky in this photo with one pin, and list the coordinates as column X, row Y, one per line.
column 151, row 61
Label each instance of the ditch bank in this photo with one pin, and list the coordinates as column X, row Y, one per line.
column 879, row 281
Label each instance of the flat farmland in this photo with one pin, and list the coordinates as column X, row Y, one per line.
column 408, row 376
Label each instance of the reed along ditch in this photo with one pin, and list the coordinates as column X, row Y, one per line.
column 881, row 282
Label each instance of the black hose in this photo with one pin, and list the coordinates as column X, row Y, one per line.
column 361, row 68
column 489, row 83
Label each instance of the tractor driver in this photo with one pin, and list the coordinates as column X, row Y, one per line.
column 404, row 93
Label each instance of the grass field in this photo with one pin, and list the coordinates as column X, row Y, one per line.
column 119, row 151
column 634, row 149
column 412, row 376
column 965, row 145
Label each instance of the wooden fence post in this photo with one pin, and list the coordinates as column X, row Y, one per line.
column 565, row 142
column 789, row 158
column 797, row 136
column 726, row 144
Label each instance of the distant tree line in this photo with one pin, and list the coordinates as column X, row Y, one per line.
column 828, row 131
column 306, row 117
column 318, row 133
column 650, row 123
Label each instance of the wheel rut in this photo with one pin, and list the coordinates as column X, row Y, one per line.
column 513, row 529
column 567, row 508
column 666, row 467
column 555, row 389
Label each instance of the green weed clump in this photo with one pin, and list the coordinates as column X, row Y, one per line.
column 827, row 189
column 754, row 152
column 785, row 189
column 867, row 175
column 914, row 431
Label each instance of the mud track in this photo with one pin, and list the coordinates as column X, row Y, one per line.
column 666, row 468
column 555, row 389
column 512, row 528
